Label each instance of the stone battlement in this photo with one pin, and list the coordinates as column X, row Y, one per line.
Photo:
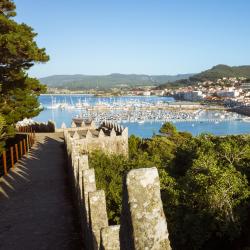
column 112, row 138
column 143, row 223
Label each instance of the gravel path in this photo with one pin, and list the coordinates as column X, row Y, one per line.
column 36, row 206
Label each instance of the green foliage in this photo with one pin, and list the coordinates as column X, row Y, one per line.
column 19, row 52
column 213, row 191
column 2, row 125
column 204, row 185
column 7, row 8
column 2, row 134
column 109, row 171
column 213, row 194
column 168, row 129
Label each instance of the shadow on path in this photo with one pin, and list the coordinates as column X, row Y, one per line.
column 36, row 206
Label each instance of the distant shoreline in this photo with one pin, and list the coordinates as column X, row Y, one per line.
column 68, row 94
column 172, row 105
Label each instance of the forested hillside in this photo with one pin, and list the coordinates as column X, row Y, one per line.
column 218, row 71
column 108, row 81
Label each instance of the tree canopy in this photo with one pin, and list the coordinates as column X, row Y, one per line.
column 18, row 53
column 168, row 129
column 204, row 185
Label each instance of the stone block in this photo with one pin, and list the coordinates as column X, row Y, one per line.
column 83, row 162
column 88, row 185
column 113, row 133
column 83, row 165
column 110, row 238
column 98, row 216
column 143, row 223
column 76, row 136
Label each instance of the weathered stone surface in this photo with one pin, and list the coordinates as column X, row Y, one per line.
column 110, row 238
column 101, row 134
column 113, row 144
column 98, row 216
column 75, row 165
column 92, row 125
column 83, row 165
column 88, row 185
column 143, row 223
column 115, row 141
column 89, row 135
column 113, row 133
column 76, row 135
column 73, row 125
column 84, row 162
column 80, row 190
column 125, row 132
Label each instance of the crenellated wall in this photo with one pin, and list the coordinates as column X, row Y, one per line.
column 143, row 223
column 110, row 137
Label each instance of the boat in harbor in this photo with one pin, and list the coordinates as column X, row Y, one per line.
column 246, row 119
column 141, row 121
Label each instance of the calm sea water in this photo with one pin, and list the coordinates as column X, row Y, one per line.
column 146, row 129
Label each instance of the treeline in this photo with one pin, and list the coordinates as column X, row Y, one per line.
column 204, row 185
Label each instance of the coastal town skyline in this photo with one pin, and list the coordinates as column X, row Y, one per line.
column 142, row 37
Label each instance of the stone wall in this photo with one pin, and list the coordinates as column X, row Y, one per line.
column 143, row 223
column 112, row 138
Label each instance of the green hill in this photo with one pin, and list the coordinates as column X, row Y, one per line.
column 220, row 71
column 216, row 72
column 108, row 81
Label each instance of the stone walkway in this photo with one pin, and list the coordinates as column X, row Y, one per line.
column 36, row 206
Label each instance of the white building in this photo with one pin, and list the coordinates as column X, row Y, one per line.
column 228, row 93
column 193, row 95
column 146, row 93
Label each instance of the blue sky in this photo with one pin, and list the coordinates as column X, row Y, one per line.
column 138, row 36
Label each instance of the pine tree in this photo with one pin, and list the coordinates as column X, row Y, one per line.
column 18, row 53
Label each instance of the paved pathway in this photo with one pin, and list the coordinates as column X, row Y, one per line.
column 36, row 208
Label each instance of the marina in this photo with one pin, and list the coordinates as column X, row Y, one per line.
column 142, row 115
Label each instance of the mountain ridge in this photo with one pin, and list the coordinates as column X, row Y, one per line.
column 81, row 81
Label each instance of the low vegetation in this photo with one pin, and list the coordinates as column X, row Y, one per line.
column 204, row 185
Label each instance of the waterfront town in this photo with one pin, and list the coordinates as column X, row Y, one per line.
column 228, row 91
